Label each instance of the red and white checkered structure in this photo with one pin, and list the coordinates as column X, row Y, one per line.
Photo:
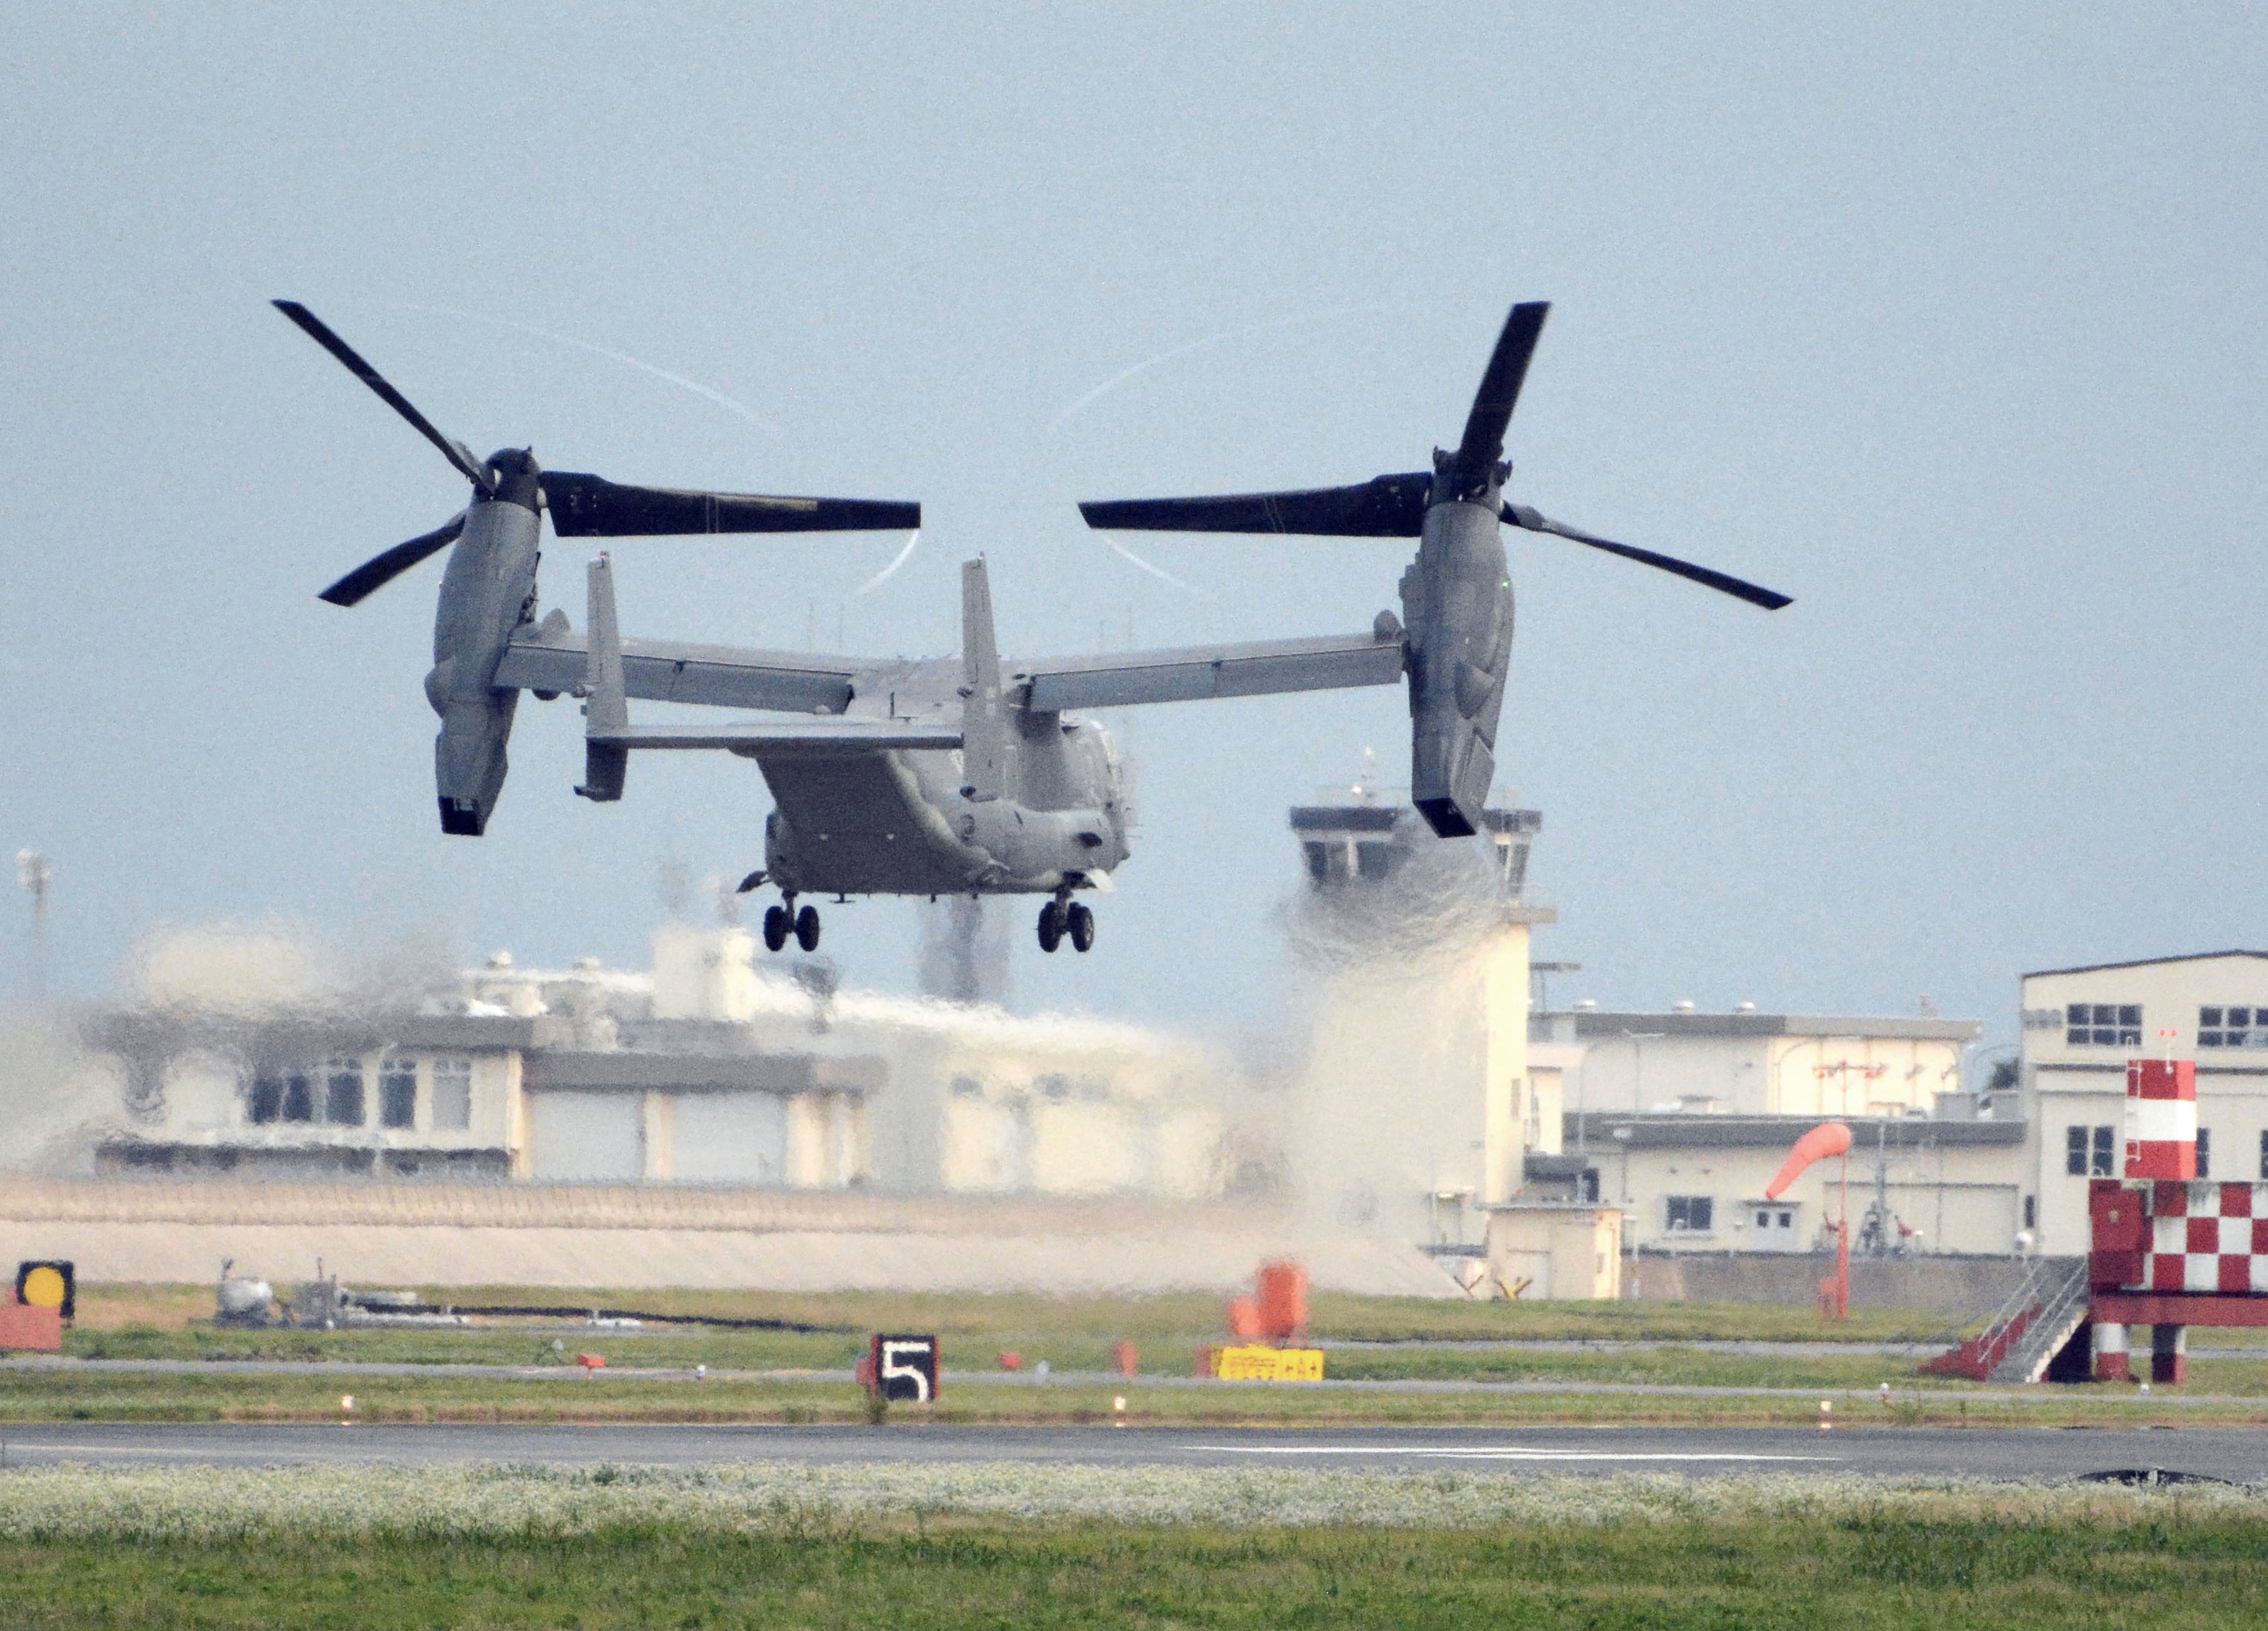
column 2196, row 1237
column 2161, row 1119
column 2170, row 1249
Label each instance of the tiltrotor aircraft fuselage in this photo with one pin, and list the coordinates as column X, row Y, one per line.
column 968, row 775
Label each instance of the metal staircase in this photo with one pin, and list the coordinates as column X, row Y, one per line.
column 2027, row 1330
column 2056, row 1319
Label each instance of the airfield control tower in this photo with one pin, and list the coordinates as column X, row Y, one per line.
column 1417, row 1106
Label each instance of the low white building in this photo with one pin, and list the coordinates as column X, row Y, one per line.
column 2081, row 1026
column 1681, row 1119
column 708, row 1071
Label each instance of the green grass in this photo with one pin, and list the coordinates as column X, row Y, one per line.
column 1073, row 1334
column 1011, row 1547
column 29, row 1396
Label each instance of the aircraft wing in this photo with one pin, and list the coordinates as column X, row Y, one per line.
column 1193, row 673
column 723, row 676
column 814, row 737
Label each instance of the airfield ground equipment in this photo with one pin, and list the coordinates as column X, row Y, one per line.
column 969, row 775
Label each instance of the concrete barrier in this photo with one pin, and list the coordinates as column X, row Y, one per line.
column 1945, row 1285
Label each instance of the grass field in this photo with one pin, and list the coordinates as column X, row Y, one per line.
column 1073, row 1334
column 1014, row 1547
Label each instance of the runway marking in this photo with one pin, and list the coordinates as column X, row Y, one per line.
column 1508, row 1453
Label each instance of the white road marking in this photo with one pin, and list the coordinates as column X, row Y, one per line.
column 1508, row 1453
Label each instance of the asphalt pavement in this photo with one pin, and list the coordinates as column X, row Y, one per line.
column 2037, row 1455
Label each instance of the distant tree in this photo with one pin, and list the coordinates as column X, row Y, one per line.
column 2006, row 1073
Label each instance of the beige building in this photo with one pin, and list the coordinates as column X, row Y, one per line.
column 1749, row 1064
column 1695, row 1182
column 1681, row 1118
column 706, row 1072
column 1543, row 1250
column 2081, row 1026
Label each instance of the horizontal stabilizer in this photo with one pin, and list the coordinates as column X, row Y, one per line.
column 1386, row 506
column 816, row 736
column 591, row 506
column 720, row 677
column 1193, row 674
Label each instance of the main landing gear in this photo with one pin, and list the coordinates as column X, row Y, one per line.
column 783, row 920
column 1062, row 920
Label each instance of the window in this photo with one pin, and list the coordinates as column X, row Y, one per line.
column 268, row 1105
column 1691, row 1212
column 453, row 1094
column 2204, row 1152
column 2032, row 1211
column 2104, row 1025
column 299, row 1094
column 1373, row 860
column 2232, row 1028
column 2088, row 1151
column 2264, row 1157
column 397, row 1093
column 342, row 1092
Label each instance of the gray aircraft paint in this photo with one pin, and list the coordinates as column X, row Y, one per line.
column 965, row 776
column 488, row 591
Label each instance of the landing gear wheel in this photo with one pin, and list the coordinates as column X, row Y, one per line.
column 1081, row 927
column 1051, row 926
column 806, row 928
column 776, row 926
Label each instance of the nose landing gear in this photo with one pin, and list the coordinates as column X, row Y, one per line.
column 1060, row 919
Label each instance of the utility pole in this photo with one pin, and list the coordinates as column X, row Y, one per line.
column 32, row 872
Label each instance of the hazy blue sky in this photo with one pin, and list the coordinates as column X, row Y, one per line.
column 1947, row 320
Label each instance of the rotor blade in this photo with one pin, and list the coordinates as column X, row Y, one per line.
column 591, row 506
column 380, row 569
column 456, row 453
column 1386, row 506
column 1483, row 440
column 1771, row 600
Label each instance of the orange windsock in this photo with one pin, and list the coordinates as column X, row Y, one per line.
column 1830, row 1137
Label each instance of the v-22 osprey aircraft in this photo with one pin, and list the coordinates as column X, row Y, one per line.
column 969, row 775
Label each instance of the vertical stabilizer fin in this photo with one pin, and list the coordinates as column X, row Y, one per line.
column 983, row 726
column 606, row 712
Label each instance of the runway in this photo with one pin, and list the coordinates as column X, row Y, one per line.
column 2038, row 1455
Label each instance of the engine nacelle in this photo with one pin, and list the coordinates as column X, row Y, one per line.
column 487, row 593
column 1456, row 600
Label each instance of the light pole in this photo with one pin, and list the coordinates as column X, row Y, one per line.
column 33, row 872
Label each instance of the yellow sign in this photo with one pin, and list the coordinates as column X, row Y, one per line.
column 1269, row 1364
column 44, row 1288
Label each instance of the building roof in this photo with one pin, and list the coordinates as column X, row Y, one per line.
column 2142, row 962
column 1595, row 1025
column 1602, row 1131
